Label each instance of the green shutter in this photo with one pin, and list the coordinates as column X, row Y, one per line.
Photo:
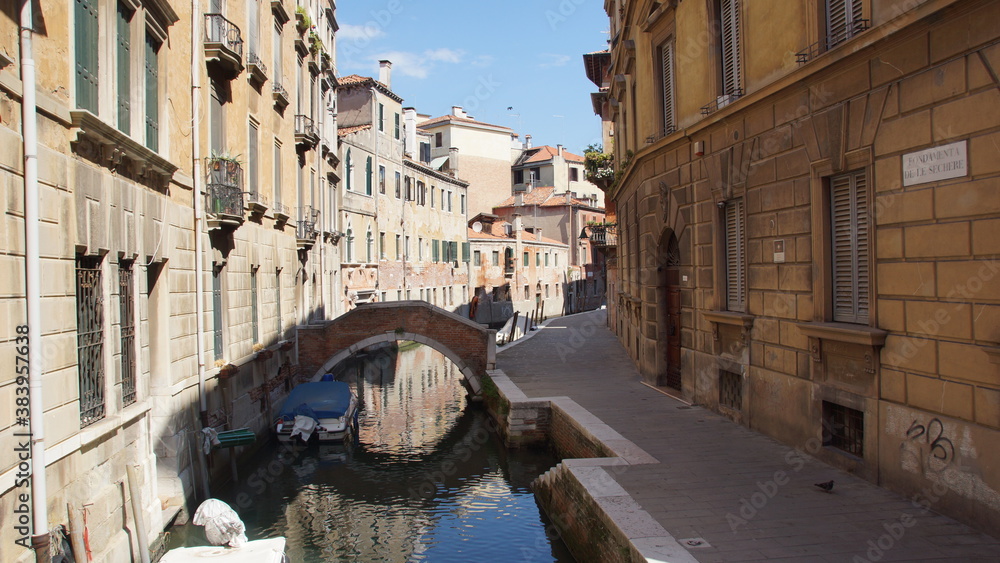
column 347, row 169
column 152, row 93
column 735, row 257
column 381, row 117
column 465, row 252
column 397, row 125
column 849, row 225
column 368, row 176
column 85, row 41
column 124, row 59
column 435, row 251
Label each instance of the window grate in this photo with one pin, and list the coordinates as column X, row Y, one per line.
column 730, row 390
column 843, row 428
column 90, row 339
column 127, row 327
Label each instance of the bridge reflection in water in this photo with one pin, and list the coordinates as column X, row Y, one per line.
column 428, row 479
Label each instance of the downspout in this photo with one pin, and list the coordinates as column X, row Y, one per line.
column 378, row 250
column 32, row 293
column 199, row 268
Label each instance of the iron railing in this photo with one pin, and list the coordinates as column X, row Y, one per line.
column 280, row 208
column 835, row 38
column 604, row 235
column 225, row 187
column 721, row 102
column 254, row 60
column 223, row 32
column 660, row 134
column 304, row 126
column 127, row 329
column 278, row 92
column 90, row 340
column 308, row 218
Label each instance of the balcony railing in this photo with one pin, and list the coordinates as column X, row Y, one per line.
column 305, row 230
column 258, row 71
column 721, row 102
column 604, row 235
column 835, row 38
column 224, row 44
column 225, row 193
column 280, row 95
column 305, row 131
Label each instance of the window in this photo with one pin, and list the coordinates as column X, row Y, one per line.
column 409, row 188
column 425, row 152
column 525, row 259
column 496, row 257
column 252, row 180
column 381, row 117
column 399, row 247
column 844, row 428
column 86, row 41
column 381, row 245
column 546, row 259
column 536, row 174
column 735, row 256
column 538, row 258
column 462, row 204
column 433, row 190
column 398, row 182
column 527, row 292
column 254, row 321
column 519, row 176
column 849, row 245
column 729, row 41
column 666, row 66
column 277, row 173
column 396, row 134
column 277, row 302
column 556, row 260
column 546, row 290
column 843, row 21
column 368, row 176
column 421, row 193
column 438, row 139
column 90, row 338
column 465, row 252
column 348, row 169
column 350, row 245
column 381, row 179
column 574, row 174
column 449, row 202
column 406, row 247
column 730, row 390
column 369, row 242
column 123, row 41
column 435, row 250
column 126, row 325
column 277, row 56
column 477, row 258
column 420, row 248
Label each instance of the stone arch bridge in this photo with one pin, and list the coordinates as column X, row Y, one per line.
column 470, row 346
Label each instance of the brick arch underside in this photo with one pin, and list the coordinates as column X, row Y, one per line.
column 468, row 345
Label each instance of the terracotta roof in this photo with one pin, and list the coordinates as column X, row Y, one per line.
column 537, row 196
column 499, row 233
column 345, row 131
column 545, row 152
column 356, row 79
column 445, row 118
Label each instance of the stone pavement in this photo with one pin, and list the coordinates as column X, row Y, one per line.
column 746, row 496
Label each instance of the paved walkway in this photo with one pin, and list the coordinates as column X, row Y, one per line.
column 718, row 481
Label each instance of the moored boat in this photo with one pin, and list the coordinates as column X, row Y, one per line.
column 326, row 409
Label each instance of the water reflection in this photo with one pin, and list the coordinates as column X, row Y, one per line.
column 427, row 479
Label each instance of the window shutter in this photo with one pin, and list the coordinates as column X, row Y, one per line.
column 465, row 252
column 252, row 162
column 842, row 17
column 152, row 93
column 124, row 67
column 253, row 31
column 731, row 68
column 86, row 41
column 735, row 257
column 347, row 169
column 397, row 126
column 435, row 250
column 667, row 78
column 368, row 176
column 850, row 244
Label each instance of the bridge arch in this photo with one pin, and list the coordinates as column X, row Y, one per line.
column 470, row 346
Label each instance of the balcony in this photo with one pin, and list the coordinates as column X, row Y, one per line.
column 280, row 12
column 836, row 37
column 256, row 203
column 603, row 236
column 223, row 44
column 305, row 230
column 305, row 132
column 225, row 194
column 280, row 95
column 280, row 214
column 721, row 102
column 258, row 72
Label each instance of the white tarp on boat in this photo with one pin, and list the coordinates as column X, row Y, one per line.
column 259, row 551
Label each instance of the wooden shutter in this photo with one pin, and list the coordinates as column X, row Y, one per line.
column 735, row 257
column 252, row 162
column 253, row 31
column 667, row 78
column 276, row 51
column 729, row 20
column 368, row 176
column 465, row 252
column 850, row 244
column 85, row 42
column 217, row 119
column 152, row 63
column 277, row 175
column 435, row 250
column 397, row 125
column 842, row 17
column 123, row 41
column 347, row 170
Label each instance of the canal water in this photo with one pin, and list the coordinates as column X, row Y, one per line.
column 427, row 478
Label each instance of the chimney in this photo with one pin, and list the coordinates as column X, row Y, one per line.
column 527, row 141
column 538, row 234
column 385, row 73
column 518, row 227
column 410, row 132
column 453, row 161
column 559, row 150
column 457, row 111
column 569, row 197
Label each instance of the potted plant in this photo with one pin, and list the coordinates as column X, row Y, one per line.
column 315, row 43
column 226, row 369
column 302, row 19
column 263, row 353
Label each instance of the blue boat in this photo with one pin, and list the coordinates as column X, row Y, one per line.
column 326, row 409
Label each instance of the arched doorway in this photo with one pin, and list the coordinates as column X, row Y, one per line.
column 668, row 341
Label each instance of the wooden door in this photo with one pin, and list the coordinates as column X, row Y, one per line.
column 673, row 299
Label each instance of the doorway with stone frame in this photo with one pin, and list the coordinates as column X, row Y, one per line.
column 668, row 326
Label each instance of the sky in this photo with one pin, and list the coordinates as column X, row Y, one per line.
column 517, row 63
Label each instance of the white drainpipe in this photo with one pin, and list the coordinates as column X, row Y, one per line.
column 32, row 277
column 199, row 269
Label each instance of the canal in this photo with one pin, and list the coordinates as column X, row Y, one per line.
column 427, row 478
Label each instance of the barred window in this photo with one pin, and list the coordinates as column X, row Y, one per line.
column 90, row 339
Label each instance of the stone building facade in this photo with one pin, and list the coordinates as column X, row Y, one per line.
column 182, row 149
column 807, row 228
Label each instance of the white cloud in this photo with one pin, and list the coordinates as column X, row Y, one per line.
column 553, row 59
column 482, row 61
column 348, row 32
column 418, row 65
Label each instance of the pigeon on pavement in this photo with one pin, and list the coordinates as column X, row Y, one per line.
column 827, row 486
